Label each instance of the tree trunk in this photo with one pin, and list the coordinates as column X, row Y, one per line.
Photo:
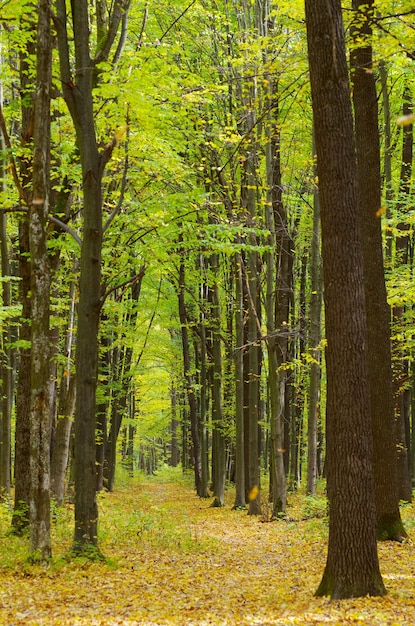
column 387, row 150
column 283, row 289
column 401, row 362
column 174, row 459
column 240, row 494
column 352, row 567
column 39, row 506
column 314, row 343
column 253, row 372
column 78, row 94
column 204, row 443
column 20, row 519
column 191, row 396
column 377, row 309
column 60, row 457
column 218, row 426
column 65, row 412
column 7, row 357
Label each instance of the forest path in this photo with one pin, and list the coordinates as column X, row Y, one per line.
column 174, row 560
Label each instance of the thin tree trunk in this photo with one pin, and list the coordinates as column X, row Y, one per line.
column 60, row 457
column 218, row 426
column 253, row 351
column 387, row 151
column 204, row 452
column 65, row 412
column 240, row 495
column 314, row 343
column 20, row 519
column 191, row 396
column 174, row 444
column 6, row 360
column 402, row 258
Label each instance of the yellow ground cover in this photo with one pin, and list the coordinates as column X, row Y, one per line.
column 174, row 560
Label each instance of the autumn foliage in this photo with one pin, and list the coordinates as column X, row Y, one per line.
column 172, row 559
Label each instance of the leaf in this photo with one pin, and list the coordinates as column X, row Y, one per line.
column 254, row 492
column 405, row 120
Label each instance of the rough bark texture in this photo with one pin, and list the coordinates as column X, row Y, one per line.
column 39, row 505
column 352, row 567
column 377, row 309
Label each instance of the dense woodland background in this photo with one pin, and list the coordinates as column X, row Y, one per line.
column 162, row 281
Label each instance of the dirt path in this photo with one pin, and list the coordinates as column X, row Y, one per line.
column 175, row 560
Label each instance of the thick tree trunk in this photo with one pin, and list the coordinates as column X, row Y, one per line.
column 377, row 309
column 352, row 567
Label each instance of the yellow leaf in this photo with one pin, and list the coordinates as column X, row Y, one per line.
column 380, row 211
column 120, row 132
column 254, row 492
column 405, row 120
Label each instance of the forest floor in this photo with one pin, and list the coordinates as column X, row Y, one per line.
column 174, row 560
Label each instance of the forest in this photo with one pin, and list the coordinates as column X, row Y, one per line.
column 207, row 259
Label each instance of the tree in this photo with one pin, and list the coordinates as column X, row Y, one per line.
column 39, row 504
column 377, row 309
column 189, row 379
column 78, row 88
column 352, row 567
column 314, row 341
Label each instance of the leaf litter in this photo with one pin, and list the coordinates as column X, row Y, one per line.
column 174, row 560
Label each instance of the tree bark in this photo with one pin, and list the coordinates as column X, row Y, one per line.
column 314, row 343
column 7, row 356
column 218, row 426
column 352, row 567
column 401, row 370
column 190, row 390
column 39, row 505
column 377, row 309
column 78, row 94
column 240, row 494
column 20, row 519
